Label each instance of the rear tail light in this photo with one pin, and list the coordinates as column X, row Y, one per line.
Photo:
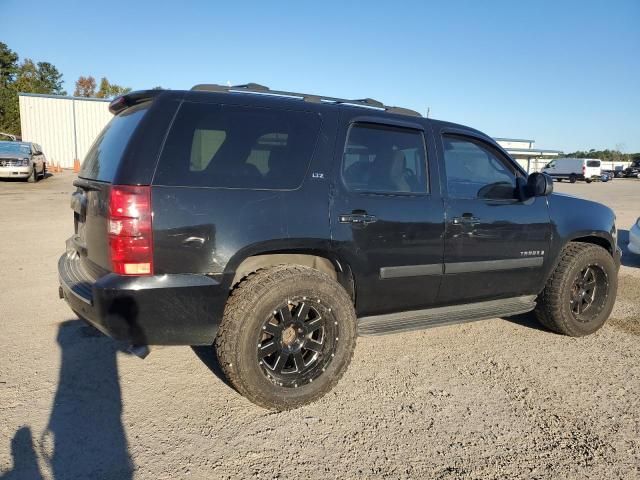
column 130, row 231
column 584, row 169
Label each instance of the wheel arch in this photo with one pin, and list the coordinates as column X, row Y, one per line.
column 596, row 240
column 320, row 260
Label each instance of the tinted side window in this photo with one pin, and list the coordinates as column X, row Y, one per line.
column 238, row 147
column 475, row 171
column 385, row 159
column 103, row 158
column 593, row 163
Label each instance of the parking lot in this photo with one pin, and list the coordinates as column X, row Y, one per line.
column 492, row 399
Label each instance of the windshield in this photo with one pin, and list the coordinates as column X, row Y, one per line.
column 15, row 147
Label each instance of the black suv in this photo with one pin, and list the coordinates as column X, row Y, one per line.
column 278, row 226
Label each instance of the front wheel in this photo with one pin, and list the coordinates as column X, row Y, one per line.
column 33, row 176
column 287, row 336
column 588, row 180
column 580, row 294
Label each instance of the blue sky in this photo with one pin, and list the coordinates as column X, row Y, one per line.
column 565, row 73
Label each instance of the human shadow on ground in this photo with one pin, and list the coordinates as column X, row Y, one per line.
column 85, row 437
column 25, row 461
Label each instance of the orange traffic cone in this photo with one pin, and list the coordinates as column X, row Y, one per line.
column 76, row 165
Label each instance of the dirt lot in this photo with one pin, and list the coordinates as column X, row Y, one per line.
column 492, row 399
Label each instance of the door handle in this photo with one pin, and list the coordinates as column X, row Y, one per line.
column 466, row 219
column 358, row 218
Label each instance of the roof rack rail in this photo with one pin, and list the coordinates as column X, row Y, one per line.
column 256, row 88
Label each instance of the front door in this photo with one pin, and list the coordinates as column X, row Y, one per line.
column 386, row 216
column 495, row 243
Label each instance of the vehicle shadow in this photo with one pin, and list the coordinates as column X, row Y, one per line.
column 528, row 320
column 207, row 355
column 628, row 259
column 85, row 437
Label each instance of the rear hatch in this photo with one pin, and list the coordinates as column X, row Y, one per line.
column 90, row 201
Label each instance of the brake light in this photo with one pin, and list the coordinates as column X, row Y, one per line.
column 130, row 232
column 584, row 169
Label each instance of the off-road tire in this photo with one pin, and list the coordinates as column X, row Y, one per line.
column 553, row 309
column 255, row 299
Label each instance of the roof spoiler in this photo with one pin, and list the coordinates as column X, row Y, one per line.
column 127, row 100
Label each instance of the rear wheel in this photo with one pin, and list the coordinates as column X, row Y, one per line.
column 580, row 294
column 287, row 336
column 572, row 178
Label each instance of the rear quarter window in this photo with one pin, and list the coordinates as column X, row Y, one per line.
column 103, row 158
column 223, row 146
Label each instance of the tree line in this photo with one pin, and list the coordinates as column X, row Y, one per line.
column 27, row 76
column 606, row 155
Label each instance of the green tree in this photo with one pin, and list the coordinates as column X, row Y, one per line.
column 50, row 78
column 8, row 65
column 9, row 112
column 117, row 90
column 110, row 90
column 27, row 77
column 103, row 90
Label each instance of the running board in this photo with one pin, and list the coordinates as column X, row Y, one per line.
column 436, row 317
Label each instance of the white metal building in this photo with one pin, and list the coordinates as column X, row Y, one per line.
column 530, row 158
column 65, row 127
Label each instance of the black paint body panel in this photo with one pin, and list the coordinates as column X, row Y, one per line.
column 411, row 258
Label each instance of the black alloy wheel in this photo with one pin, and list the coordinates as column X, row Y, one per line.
column 589, row 293
column 297, row 342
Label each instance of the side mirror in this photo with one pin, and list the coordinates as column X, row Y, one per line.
column 539, row 185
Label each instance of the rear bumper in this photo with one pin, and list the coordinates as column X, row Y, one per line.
column 155, row 310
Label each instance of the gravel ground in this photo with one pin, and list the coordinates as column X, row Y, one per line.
column 492, row 399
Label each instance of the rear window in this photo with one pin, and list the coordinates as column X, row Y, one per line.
column 593, row 163
column 238, row 147
column 104, row 156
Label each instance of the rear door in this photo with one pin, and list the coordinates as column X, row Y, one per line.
column 386, row 213
column 495, row 244
column 592, row 168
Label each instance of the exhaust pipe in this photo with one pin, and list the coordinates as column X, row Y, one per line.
column 140, row 351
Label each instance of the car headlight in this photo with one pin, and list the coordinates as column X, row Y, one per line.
column 25, row 162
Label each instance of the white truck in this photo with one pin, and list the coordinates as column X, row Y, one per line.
column 574, row 169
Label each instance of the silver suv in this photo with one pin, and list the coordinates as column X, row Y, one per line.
column 22, row 160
